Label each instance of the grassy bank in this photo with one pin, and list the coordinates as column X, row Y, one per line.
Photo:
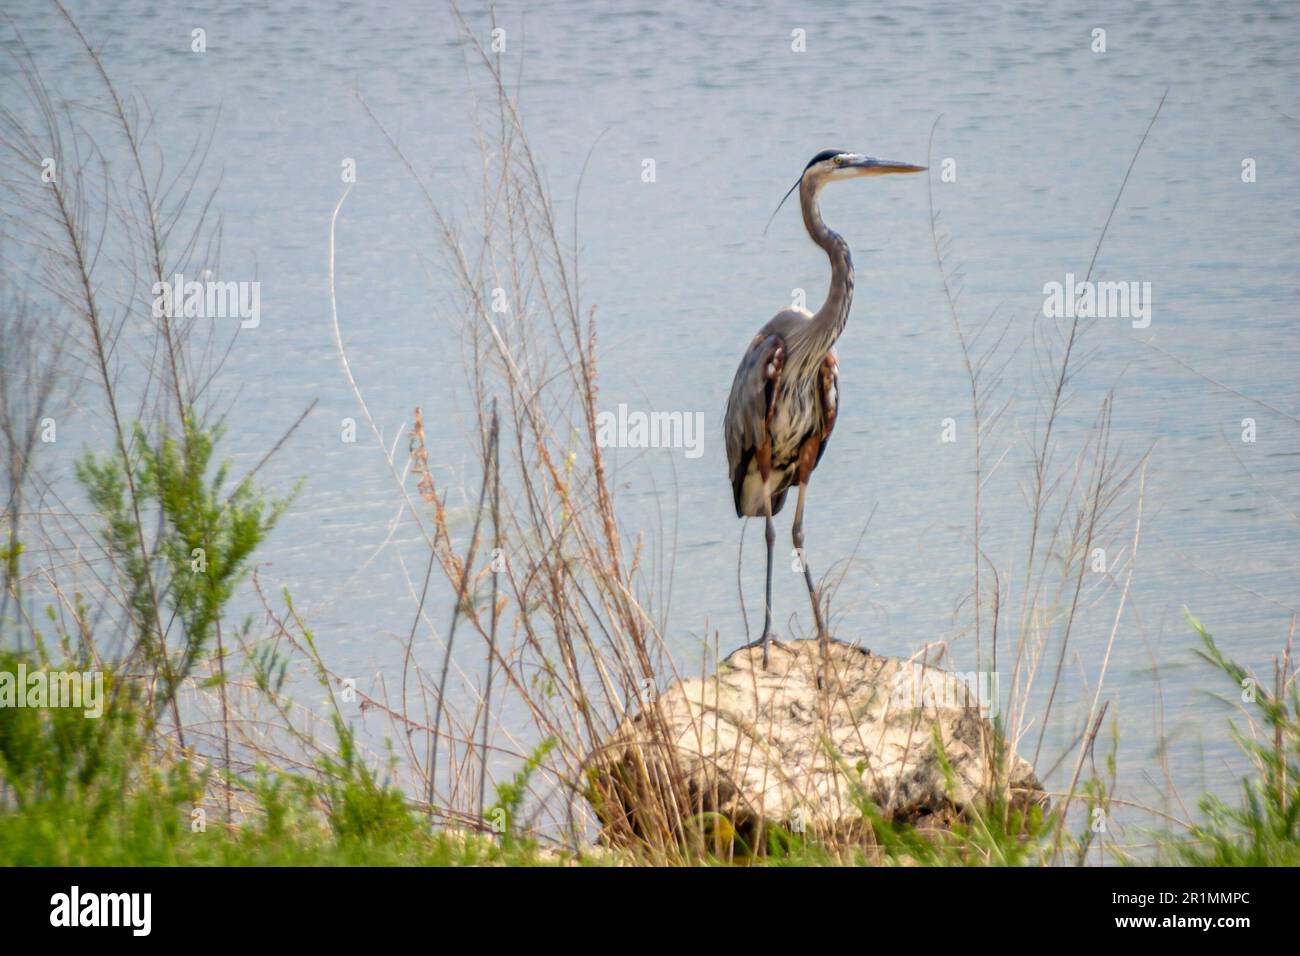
column 82, row 791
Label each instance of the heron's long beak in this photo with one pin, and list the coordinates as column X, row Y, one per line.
column 870, row 166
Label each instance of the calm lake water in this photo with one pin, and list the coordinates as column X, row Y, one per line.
column 1041, row 130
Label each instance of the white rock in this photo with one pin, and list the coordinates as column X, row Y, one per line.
column 803, row 743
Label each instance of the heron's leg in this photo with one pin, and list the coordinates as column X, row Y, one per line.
column 797, row 535
column 770, row 533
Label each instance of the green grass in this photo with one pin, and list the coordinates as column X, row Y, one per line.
column 1263, row 827
column 91, row 792
column 77, row 791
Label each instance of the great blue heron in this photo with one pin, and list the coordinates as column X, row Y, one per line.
column 784, row 398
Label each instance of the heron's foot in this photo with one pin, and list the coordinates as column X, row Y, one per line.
column 764, row 642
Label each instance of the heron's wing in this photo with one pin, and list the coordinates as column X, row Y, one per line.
column 745, row 422
column 747, row 407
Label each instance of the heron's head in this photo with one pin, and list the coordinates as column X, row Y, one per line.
column 831, row 165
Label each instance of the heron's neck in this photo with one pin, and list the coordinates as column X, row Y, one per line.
column 828, row 321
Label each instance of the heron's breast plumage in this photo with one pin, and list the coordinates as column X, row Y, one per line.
column 798, row 415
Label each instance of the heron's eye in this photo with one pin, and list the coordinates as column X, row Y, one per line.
column 839, row 160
